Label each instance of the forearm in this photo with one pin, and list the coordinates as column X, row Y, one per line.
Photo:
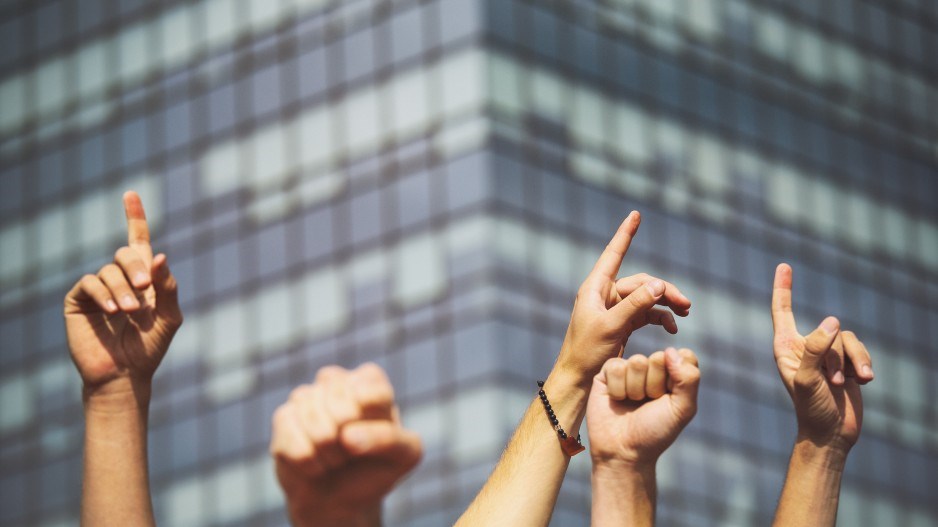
column 812, row 486
column 624, row 495
column 321, row 516
column 523, row 488
column 115, row 486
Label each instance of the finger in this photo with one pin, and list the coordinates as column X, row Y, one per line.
column 318, row 424
column 663, row 318
column 290, row 444
column 686, row 378
column 380, row 438
column 138, row 233
column 607, row 266
column 372, row 391
column 130, row 261
column 115, row 280
column 673, row 297
column 834, row 362
column 688, row 356
column 656, row 378
column 630, row 312
column 858, row 356
column 615, row 371
column 635, row 378
column 818, row 344
column 657, row 317
column 166, row 289
column 91, row 288
column 783, row 318
column 340, row 401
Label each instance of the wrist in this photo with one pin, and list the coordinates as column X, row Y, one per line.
column 120, row 395
column 617, row 467
column 624, row 493
column 570, row 378
column 829, row 455
column 322, row 515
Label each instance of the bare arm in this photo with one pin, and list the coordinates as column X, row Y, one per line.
column 636, row 410
column 822, row 373
column 522, row 490
column 119, row 324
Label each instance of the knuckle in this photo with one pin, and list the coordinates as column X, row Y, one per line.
column 329, row 372
column 616, row 367
column 301, row 392
column 371, row 369
column 280, row 415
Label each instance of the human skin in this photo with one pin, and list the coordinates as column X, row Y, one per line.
column 637, row 408
column 523, row 487
column 822, row 373
column 339, row 447
column 119, row 324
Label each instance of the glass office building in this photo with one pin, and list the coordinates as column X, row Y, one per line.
column 425, row 184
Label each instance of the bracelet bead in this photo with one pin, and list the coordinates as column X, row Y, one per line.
column 569, row 445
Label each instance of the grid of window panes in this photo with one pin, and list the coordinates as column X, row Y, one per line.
column 425, row 183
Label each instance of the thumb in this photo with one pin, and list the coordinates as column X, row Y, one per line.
column 164, row 284
column 637, row 303
column 382, row 439
column 686, row 378
column 818, row 343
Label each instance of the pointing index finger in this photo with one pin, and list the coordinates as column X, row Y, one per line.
column 782, row 316
column 138, row 233
column 611, row 259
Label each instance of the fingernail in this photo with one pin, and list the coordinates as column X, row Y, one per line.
column 867, row 371
column 111, row 305
column 655, row 287
column 127, row 301
column 141, row 278
column 838, row 377
column 830, row 325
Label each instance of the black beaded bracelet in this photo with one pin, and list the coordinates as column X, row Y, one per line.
column 569, row 445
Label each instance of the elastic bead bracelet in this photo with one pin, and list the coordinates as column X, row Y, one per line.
column 570, row 446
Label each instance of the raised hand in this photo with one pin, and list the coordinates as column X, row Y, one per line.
column 636, row 409
column 639, row 405
column 120, row 321
column 339, row 447
column 607, row 310
column 822, row 371
column 522, row 489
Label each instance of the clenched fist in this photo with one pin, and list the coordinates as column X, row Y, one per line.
column 639, row 405
column 339, row 447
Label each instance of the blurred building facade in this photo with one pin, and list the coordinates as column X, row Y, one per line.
column 425, row 184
